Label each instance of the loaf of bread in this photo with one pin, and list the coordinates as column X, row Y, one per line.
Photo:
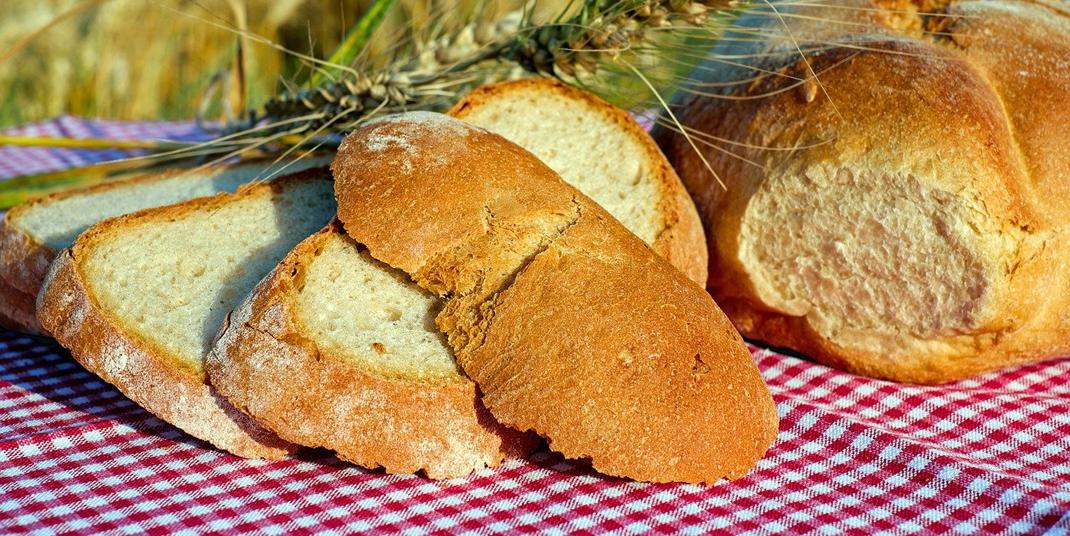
column 568, row 323
column 139, row 299
column 603, row 152
column 32, row 234
column 337, row 350
column 907, row 216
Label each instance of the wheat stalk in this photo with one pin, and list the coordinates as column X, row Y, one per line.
column 430, row 75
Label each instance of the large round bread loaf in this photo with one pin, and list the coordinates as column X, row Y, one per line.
column 569, row 324
column 908, row 216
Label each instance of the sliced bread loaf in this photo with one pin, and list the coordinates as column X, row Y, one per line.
column 335, row 349
column 601, row 151
column 139, row 299
column 33, row 233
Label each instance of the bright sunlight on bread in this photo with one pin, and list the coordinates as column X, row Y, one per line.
column 917, row 229
column 601, row 151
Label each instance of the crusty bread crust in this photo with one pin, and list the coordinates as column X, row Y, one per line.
column 570, row 325
column 147, row 374
column 681, row 240
column 23, row 260
column 68, row 312
column 266, row 364
column 17, row 310
column 979, row 114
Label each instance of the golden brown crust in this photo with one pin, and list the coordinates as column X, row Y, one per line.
column 17, row 310
column 570, row 325
column 984, row 107
column 23, row 260
column 69, row 313
column 267, row 365
column 659, row 387
column 1023, row 48
column 681, row 240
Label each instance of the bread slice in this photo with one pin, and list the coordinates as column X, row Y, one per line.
column 335, row 349
column 569, row 324
column 603, row 152
column 33, row 233
column 139, row 299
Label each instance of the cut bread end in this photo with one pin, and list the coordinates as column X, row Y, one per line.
column 138, row 299
column 885, row 276
column 860, row 259
column 335, row 349
column 603, row 152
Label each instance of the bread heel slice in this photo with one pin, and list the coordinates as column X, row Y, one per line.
column 569, row 324
column 170, row 393
column 138, row 299
column 335, row 349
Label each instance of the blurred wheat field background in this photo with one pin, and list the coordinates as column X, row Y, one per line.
column 284, row 77
column 164, row 59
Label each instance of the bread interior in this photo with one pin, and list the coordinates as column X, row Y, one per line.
column 172, row 280
column 361, row 310
column 57, row 223
column 590, row 151
column 874, row 251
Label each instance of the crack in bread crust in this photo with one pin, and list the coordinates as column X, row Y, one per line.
column 467, row 316
column 619, row 164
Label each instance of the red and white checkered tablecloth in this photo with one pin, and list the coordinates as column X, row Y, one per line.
column 989, row 455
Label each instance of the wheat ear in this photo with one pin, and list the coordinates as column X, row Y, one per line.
column 434, row 74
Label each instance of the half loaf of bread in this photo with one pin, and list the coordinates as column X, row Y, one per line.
column 140, row 298
column 569, row 324
column 32, row 234
column 918, row 228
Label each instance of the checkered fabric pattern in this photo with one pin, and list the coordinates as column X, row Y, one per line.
column 855, row 455
column 16, row 161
